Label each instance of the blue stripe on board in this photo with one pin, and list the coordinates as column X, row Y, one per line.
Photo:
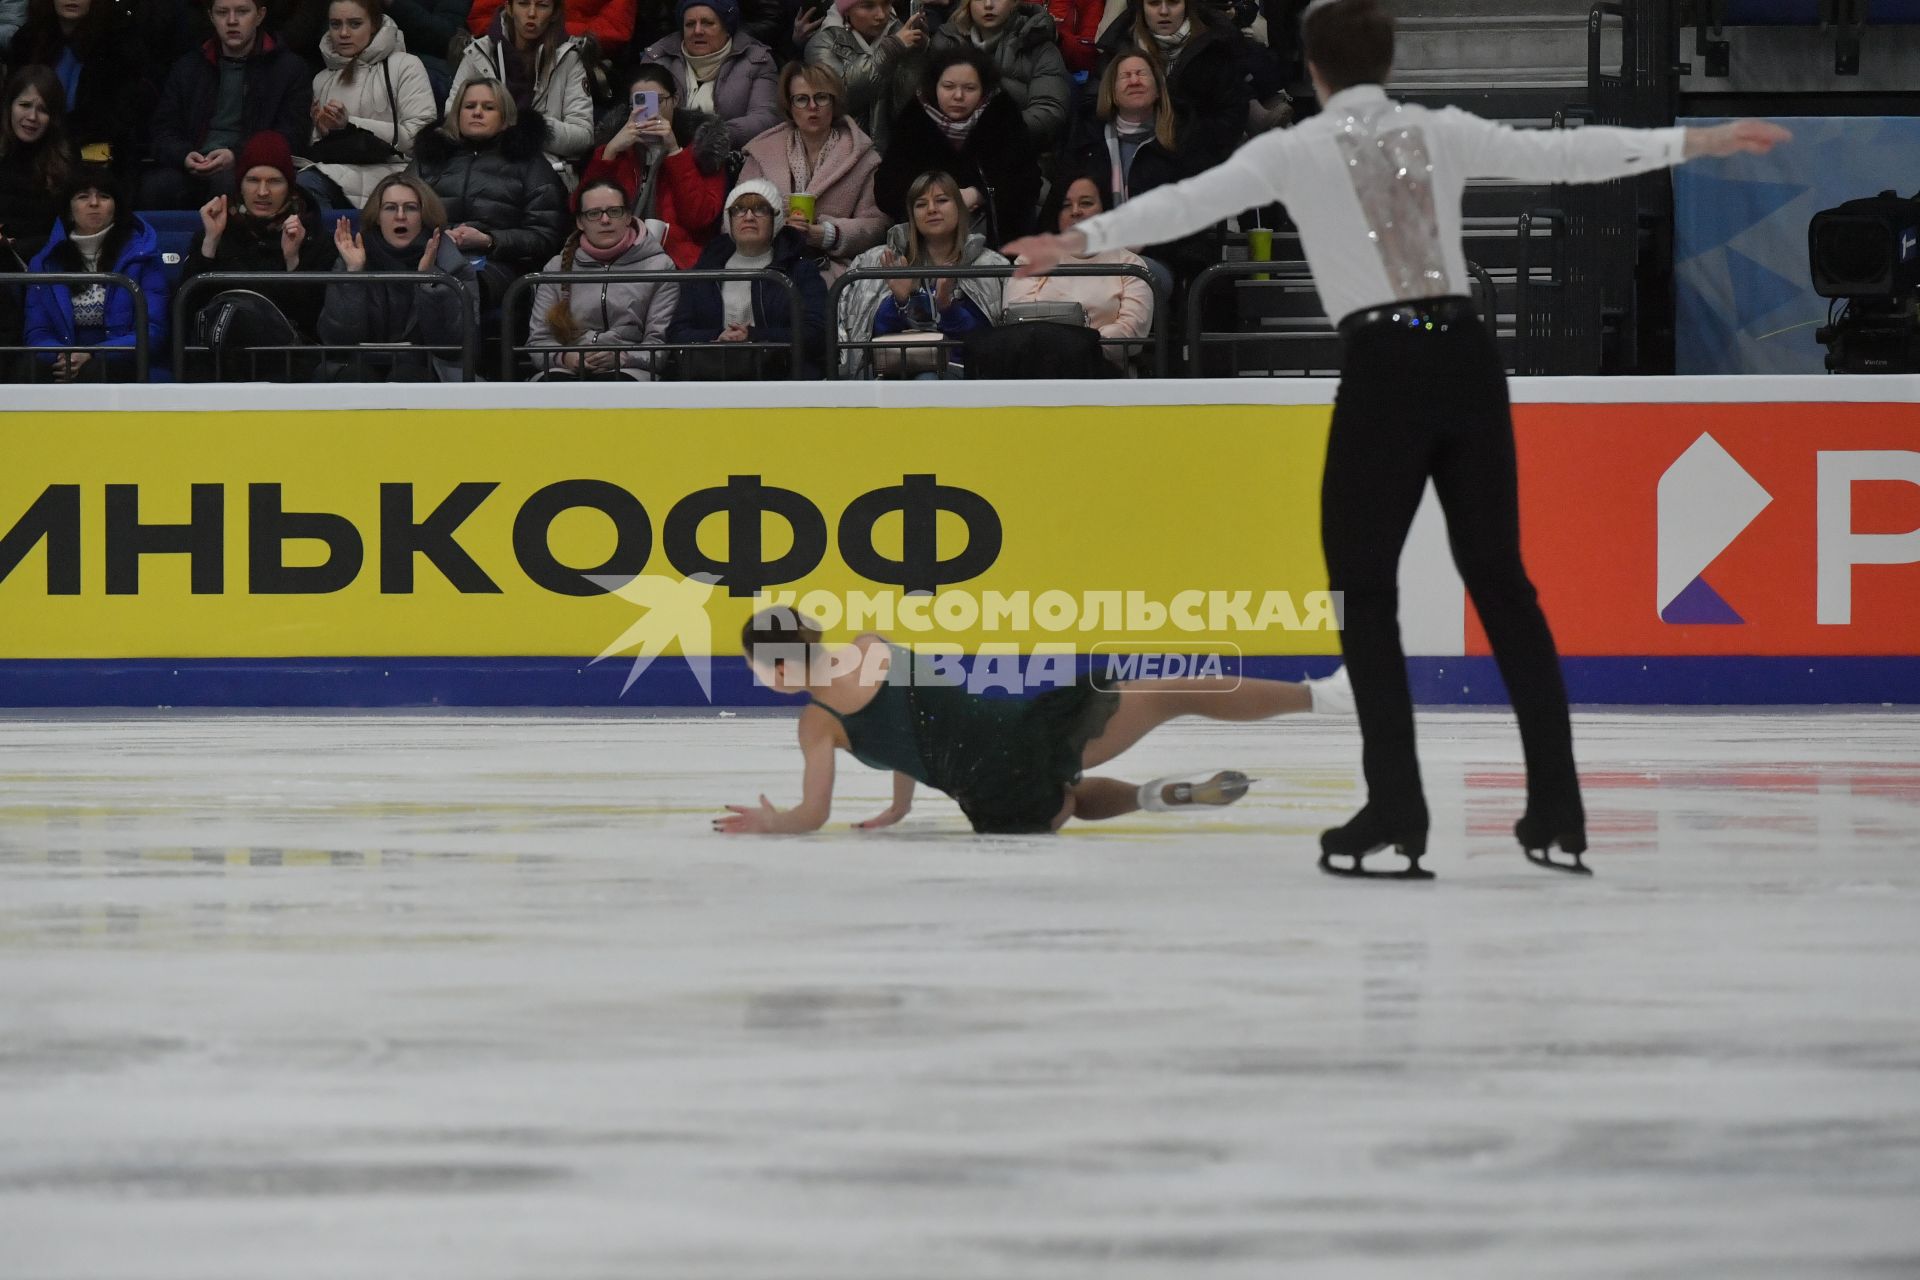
column 559, row 682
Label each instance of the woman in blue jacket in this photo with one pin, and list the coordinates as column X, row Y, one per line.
column 97, row 232
column 752, row 239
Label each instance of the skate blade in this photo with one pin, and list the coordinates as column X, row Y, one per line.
column 1358, row 870
column 1222, row 788
column 1550, row 858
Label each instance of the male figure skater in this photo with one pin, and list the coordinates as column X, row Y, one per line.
column 1374, row 186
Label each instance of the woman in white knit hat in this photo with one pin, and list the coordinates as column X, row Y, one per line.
column 754, row 237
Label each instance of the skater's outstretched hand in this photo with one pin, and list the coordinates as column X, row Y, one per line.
column 1036, row 255
column 1752, row 137
column 743, row 820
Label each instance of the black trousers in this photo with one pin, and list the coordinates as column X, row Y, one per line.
column 1417, row 404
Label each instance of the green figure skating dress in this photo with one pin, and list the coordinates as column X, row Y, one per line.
column 1007, row 761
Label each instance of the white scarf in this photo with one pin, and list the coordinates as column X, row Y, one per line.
column 704, row 70
column 736, row 296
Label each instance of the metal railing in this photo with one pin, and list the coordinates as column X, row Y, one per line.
column 1157, row 337
column 212, row 282
column 113, row 280
column 795, row 346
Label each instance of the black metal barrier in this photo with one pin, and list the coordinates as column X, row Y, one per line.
column 1158, row 336
column 114, row 281
column 795, row 347
column 213, row 282
column 1315, row 335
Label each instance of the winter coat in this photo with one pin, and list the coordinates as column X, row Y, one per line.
column 861, row 301
column 251, row 245
column 608, row 21
column 1078, row 25
column 560, row 93
column 28, row 211
column 701, row 315
column 743, row 94
column 999, row 159
column 881, row 78
column 611, row 312
column 391, row 117
column 429, row 27
column 1032, row 71
column 1153, row 165
column 502, row 186
column 113, row 100
column 134, row 253
column 279, row 91
column 688, row 187
column 1207, row 82
column 842, row 191
column 402, row 313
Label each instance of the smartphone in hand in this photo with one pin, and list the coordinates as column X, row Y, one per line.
column 646, row 105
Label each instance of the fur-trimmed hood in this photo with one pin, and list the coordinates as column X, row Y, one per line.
column 700, row 132
column 527, row 137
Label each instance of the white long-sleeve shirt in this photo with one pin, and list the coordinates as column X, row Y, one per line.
column 1374, row 187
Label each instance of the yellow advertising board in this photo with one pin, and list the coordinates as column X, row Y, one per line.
column 317, row 532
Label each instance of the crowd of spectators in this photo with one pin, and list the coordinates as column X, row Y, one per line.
column 468, row 143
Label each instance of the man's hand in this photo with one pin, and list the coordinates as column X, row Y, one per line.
column 1037, row 255
column 733, row 333
column 293, row 234
column 1736, row 137
column 213, row 225
column 218, row 161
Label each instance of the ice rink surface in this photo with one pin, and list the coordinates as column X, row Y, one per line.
column 482, row 996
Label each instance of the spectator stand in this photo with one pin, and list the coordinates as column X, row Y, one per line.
column 201, row 289
column 34, row 366
column 1158, row 363
column 516, row 358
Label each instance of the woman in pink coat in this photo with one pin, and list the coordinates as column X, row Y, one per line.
column 821, row 152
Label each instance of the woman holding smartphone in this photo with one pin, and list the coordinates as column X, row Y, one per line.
column 670, row 158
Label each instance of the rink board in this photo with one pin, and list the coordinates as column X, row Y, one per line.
column 1695, row 540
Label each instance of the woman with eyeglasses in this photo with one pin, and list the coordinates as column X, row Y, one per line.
column 752, row 310
column 402, row 229
column 819, row 152
column 527, row 50
column 614, row 318
column 720, row 67
column 938, row 234
column 673, row 160
column 508, row 210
